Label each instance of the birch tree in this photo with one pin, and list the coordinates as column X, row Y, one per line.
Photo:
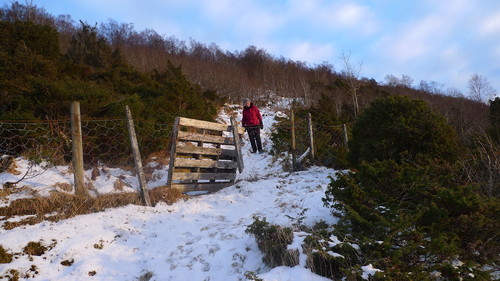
column 480, row 89
column 351, row 72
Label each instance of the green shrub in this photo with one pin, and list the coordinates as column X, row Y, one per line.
column 407, row 205
column 401, row 129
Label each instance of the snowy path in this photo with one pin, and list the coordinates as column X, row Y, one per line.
column 202, row 238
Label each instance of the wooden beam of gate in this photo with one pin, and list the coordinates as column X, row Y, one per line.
column 181, row 162
column 173, row 149
column 203, row 176
column 207, row 125
column 212, row 151
column 188, row 136
column 236, row 137
column 200, row 186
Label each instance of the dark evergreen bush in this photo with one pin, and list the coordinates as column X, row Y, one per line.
column 407, row 205
column 38, row 82
column 401, row 129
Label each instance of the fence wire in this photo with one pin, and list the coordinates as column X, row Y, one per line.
column 324, row 136
column 105, row 141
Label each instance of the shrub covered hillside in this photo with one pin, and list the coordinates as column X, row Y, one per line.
column 38, row 81
column 408, row 206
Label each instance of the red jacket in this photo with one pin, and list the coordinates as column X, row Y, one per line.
column 251, row 116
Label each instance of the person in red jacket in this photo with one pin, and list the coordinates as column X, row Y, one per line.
column 252, row 121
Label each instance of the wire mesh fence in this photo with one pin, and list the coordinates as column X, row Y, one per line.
column 105, row 141
column 324, row 135
column 329, row 142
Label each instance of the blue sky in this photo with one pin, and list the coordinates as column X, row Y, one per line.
column 446, row 41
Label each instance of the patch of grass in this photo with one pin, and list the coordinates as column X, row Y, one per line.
column 13, row 275
column 34, row 249
column 4, row 256
column 99, row 246
column 67, row 262
column 67, row 205
column 4, row 192
column 146, row 276
column 166, row 194
column 63, row 186
column 250, row 275
column 8, row 164
column 273, row 241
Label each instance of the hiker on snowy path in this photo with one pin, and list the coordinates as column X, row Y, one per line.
column 252, row 121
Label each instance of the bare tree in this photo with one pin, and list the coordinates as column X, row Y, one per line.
column 352, row 71
column 480, row 89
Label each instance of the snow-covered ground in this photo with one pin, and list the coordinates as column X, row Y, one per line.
column 201, row 238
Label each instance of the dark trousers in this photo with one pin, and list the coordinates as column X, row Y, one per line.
column 254, row 135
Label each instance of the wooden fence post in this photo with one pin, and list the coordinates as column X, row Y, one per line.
column 77, row 147
column 237, row 145
column 173, row 149
column 311, row 136
column 294, row 147
column 137, row 159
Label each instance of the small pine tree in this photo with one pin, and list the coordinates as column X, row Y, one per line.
column 401, row 129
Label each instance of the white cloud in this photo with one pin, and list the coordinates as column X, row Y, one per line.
column 490, row 25
column 410, row 42
column 312, row 53
column 349, row 16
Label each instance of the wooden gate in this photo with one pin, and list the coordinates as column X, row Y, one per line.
column 204, row 155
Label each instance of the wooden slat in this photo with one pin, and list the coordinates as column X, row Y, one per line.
column 203, row 124
column 173, row 149
column 203, row 176
column 188, row 136
column 207, row 125
column 205, row 150
column 200, row 186
column 181, row 162
column 236, row 137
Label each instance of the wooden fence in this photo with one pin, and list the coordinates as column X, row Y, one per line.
column 204, row 155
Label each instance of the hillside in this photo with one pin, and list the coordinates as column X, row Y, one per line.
column 200, row 238
column 110, row 64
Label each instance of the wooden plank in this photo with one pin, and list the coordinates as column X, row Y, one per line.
column 236, row 137
column 203, row 176
column 173, row 149
column 188, row 136
column 212, row 151
column 200, row 186
column 208, row 125
column 203, row 124
column 182, row 162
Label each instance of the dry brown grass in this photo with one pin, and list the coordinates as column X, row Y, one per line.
column 64, row 186
column 65, row 205
column 119, row 184
column 166, row 194
column 8, row 164
column 4, row 192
